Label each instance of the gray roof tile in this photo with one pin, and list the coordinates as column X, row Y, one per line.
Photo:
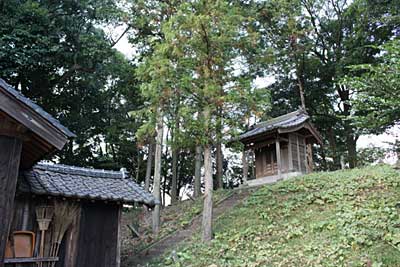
column 292, row 119
column 83, row 183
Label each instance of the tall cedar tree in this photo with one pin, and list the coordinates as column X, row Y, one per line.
column 203, row 42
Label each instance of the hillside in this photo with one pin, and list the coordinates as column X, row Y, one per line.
column 343, row 218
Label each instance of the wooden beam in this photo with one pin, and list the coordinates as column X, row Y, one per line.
column 278, row 156
column 272, row 164
column 30, row 260
column 119, row 241
column 298, row 153
column 290, row 155
column 10, row 155
column 310, row 158
column 305, row 155
column 31, row 120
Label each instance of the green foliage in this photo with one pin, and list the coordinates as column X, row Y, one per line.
column 377, row 103
column 58, row 55
column 371, row 154
column 343, row 218
column 315, row 42
column 198, row 45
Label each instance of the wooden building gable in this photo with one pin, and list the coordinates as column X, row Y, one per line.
column 40, row 132
column 27, row 134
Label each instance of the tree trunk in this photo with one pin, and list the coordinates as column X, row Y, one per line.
column 245, row 164
column 332, row 144
column 157, row 170
column 175, row 155
column 197, row 173
column 219, row 160
column 174, row 183
column 301, row 90
column 351, row 137
column 139, row 163
column 219, row 155
column 351, row 142
column 208, row 180
column 149, row 166
column 10, row 155
column 208, row 204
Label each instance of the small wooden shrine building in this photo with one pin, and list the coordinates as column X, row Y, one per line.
column 54, row 215
column 86, row 206
column 27, row 134
column 282, row 146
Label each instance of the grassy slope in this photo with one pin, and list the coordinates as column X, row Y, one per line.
column 343, row 218
column 173, row 218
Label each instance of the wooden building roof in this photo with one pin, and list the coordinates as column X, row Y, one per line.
column 42, row 134
column 290, row 122
column 83, row 183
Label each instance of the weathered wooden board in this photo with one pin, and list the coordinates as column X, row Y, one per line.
column 10, row 154
column 30, row 119
column 98, row 235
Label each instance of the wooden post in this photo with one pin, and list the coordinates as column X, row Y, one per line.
column 278, row 157
column 298, row 153
column 309, row 158
column 290, row 156
column 272, row 163
column 10, row 154
column 245, row 165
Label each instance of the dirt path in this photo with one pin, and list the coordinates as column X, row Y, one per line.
column 171, row 242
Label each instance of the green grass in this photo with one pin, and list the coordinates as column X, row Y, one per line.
column 173, row 218
column 343, row 218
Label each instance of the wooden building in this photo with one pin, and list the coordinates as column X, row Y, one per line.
column 282, row 146
column 27, row 134
column 91, row 201
column 60, row 215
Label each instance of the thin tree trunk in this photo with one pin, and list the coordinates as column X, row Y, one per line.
column 139, row 163
column 175, row 155
column 219, row 159
column 174, row 183
column 300, row 81
column 157, row 170
column 208, row 204
column 208, row 180
column 149, row 166
column 351, row 142
column 197, row 172
column 245, row 163
column 219, row 155
column 332, row 144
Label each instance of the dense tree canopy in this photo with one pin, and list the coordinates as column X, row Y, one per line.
column 314, row 43
column 57, row 54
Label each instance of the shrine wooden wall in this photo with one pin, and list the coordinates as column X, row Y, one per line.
column 293, row 156
column 92, row 240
